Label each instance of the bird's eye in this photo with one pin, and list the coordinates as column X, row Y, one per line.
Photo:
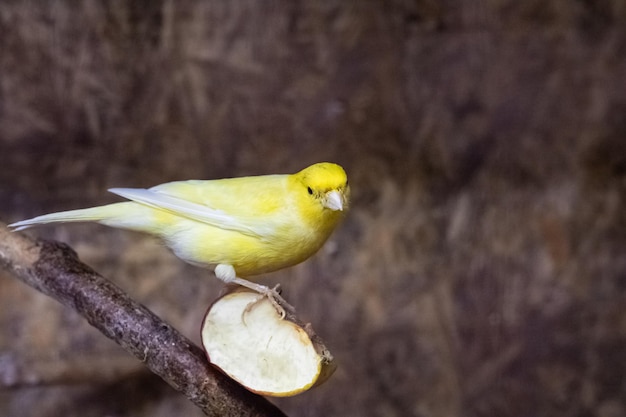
column 309, row 190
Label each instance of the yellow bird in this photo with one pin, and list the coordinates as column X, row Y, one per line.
column 239, row 226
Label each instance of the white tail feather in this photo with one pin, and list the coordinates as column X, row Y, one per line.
column 81, row 215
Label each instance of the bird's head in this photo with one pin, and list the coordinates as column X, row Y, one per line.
column 326, row 183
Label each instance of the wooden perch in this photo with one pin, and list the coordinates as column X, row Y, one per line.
column 54, row 269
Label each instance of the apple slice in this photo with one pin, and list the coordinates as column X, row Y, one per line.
column 246, row 338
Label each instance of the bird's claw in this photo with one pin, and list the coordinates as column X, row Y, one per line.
column 278, row 302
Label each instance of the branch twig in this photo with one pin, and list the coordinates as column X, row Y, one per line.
column 54, row 269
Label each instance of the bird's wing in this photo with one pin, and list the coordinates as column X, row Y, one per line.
column 245, row 224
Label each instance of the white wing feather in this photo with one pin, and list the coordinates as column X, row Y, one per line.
column 194, row 211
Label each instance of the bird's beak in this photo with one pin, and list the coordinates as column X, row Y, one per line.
column 334, row 200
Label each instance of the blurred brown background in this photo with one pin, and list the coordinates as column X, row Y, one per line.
column 481, row 271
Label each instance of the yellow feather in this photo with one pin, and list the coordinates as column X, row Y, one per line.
column 254, row 224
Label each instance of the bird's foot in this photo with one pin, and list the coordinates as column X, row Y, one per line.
column 227, row 274
column 273, row 295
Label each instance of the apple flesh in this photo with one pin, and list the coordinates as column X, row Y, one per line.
column 245, row 337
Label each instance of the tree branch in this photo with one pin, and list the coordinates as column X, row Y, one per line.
column 54, row 269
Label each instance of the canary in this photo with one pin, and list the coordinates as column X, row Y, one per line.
column 241, row 227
